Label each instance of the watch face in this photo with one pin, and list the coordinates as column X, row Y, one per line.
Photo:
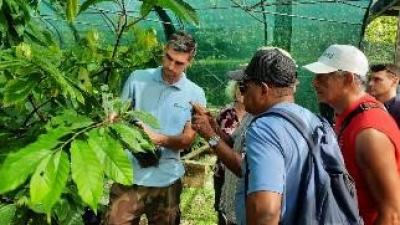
column 213, row 141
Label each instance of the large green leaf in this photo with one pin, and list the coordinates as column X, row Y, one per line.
column 111, row 154
column 133, row 137
column 48, row 181
column 182, row 9
column 87, row 173
column 146, row 118
column 7, row 213
column 72, row 9
column 89, row 3
column 19, row 165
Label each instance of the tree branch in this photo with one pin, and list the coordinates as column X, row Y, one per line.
column 122, row 22
column 35, row 110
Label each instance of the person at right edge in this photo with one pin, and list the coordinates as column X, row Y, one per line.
column 370, row 140
column 382, row 84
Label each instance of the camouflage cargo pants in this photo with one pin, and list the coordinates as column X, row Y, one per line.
column 159, row 204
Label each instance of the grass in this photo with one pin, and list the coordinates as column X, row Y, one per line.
column 197, row 204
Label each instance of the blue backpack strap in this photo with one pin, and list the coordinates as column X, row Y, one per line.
column 295, row 120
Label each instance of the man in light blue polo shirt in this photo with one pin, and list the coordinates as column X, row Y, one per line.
column 167, row 94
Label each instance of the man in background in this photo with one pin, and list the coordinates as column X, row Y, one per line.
column 383, row 83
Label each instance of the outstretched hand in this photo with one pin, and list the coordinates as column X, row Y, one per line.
column 203, row 122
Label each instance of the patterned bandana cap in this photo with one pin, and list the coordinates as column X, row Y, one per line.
column 272, row 66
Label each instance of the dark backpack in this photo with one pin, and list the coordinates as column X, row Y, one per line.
column 327, row 193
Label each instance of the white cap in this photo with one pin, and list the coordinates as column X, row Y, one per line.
column 340, row 58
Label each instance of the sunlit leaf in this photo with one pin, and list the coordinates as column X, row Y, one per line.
column 48, row 181
column 72, row 9
column 117, row 166
column 87, row 173
column 19, row 165
column 133, row 137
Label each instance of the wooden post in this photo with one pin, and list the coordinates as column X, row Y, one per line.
column 397, row 49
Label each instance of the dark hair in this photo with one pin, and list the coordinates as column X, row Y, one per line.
column 181, row 41
column 391, row 68
column 273, row 67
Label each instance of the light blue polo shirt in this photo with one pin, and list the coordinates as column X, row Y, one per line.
column 275, row 155
column 170, row 104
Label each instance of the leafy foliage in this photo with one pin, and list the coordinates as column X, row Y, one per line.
column 179, row 7
column 380, row 38
column 48, row 181
column 7, row 213
column 382, row 29
column 86, row 173
column 59, row 147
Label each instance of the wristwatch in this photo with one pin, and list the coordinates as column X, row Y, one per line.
column 214, row 140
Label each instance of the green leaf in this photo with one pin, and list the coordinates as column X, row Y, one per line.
column 19, row 165
column 68, row 213
column 89, row 3
column 133, row 137
column 117, row 166
column 48, row 181
column 11, row 64
column 72, row 10
column 7, row 213
column 146, row 118
column 146, row 7
column 69, row 118
column 59, row 78
column 17, row 91
column 182, row 9
column 84, row 80
column 87, row 173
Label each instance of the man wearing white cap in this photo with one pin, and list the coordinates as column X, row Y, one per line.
column 368, row 136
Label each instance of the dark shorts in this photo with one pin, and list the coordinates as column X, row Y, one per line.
column 159, row 204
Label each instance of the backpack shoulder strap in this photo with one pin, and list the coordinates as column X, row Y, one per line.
column 365, row 106
column 295, row 120
column 292, row 118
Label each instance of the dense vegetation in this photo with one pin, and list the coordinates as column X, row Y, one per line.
column 58, row 148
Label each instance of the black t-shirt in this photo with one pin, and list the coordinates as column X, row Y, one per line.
column 393, row 107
